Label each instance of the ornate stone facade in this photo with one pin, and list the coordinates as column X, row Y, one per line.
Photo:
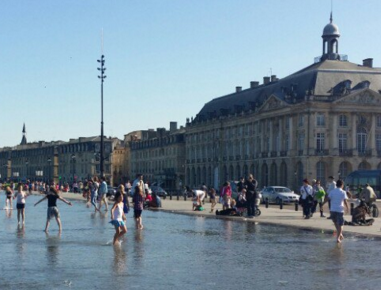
column 323, row 120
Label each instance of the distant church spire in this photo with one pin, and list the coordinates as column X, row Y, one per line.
column 23, row 140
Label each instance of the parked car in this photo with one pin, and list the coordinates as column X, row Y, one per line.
column 159, row 191
column 277, row 193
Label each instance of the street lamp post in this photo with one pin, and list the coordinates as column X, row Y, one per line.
column 102, row 77
column 49, row 164
column 73, row 165
column 26, row 167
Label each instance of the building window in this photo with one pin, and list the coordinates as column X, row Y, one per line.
column 320, row 172
column 362, row 137
column 286, row 142
column 378, row 142
column 301, row 120
column 301, row 141
column 287, row 121
column 342, row 142
column 378, row 121
column 320, row 120
column 343, row 121
column 320, row 142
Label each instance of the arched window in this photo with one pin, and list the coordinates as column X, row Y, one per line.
column 321, row 172
column 231, row 172
column 344, row 169
column 283, row 174
column 299, row 173
column 273, row 174
column 265, row 175
column 238, row 172
column 364, row 166
column 224, row 174
column 245, row 171
column 362, row 138
column 203, row 177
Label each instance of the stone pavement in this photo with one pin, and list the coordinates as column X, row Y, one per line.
column 271, row 215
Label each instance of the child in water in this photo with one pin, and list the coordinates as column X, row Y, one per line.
column 118, row 217
column 20, row 195
column 53, row 211
column 138, row 200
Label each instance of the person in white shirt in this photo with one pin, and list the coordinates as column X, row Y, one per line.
column 331, row 185
column 306, row 192
column 138, row 181
column 339, row 200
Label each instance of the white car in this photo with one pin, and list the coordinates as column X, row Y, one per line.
column 278, row 193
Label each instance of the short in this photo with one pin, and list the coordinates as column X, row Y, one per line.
column 9, row 196
column 337, row 218
column 20, row 205
column 53, row 212
column 137, row 213
column 117, row 223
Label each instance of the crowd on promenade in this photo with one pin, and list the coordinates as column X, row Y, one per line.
column 245, row 203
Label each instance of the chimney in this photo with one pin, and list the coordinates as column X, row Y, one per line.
column 266, row 80
column 238, row 89
column 273, row 78
column 172, row 126
column 368, row 62
column 254, row 84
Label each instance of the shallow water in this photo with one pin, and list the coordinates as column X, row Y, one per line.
column 176, row 251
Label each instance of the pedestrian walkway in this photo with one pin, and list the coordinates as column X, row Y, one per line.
column 274, row 216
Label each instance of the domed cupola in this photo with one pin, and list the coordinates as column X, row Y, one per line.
column 330, row 37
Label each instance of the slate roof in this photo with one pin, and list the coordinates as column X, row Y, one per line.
column 322, row 79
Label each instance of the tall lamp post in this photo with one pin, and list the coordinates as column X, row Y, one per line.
column 26, row 167
column 102, row 77
column 73, row 164
column 49, row 164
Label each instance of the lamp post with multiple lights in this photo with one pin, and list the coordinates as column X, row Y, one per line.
column 102, row 77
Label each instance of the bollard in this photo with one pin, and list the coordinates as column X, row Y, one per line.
column 185, row 197
column 352, row 207
column 281, row 204
column 267, row 202
column 178, row 196
column 170, row 195
column 296, row 205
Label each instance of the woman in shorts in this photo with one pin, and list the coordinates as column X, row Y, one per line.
column 53, row 211
column 8, row 200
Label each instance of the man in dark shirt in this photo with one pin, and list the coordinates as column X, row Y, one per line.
column 251, row 195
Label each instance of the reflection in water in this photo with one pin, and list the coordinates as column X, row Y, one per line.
column 139, row 246
column 8, row 213
column 52, row 248
column 20, row 244
column 120, row 256
column 228, row 230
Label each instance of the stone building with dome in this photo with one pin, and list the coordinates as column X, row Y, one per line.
column 322, row 120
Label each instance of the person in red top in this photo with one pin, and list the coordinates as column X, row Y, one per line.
column 226, row 194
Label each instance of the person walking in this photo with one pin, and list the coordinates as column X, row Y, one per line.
column 20, row 205
column 93, row 186
column 331, row 185
column 8, row 198
column 319, row 196
column 339, row 200
column 118, row 217
column 251, row 195
column 138, row 200
column 307, row 199
column 212, row 199
column 226, row 194
column 102, row 193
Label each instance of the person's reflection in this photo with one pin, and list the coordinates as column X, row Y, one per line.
column 20, row 244
column 228, row 230
column 138, row 245
column 120, row 256
column 8, row 213
column 52, row 247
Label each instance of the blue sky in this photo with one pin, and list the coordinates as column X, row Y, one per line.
column 165, row 59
